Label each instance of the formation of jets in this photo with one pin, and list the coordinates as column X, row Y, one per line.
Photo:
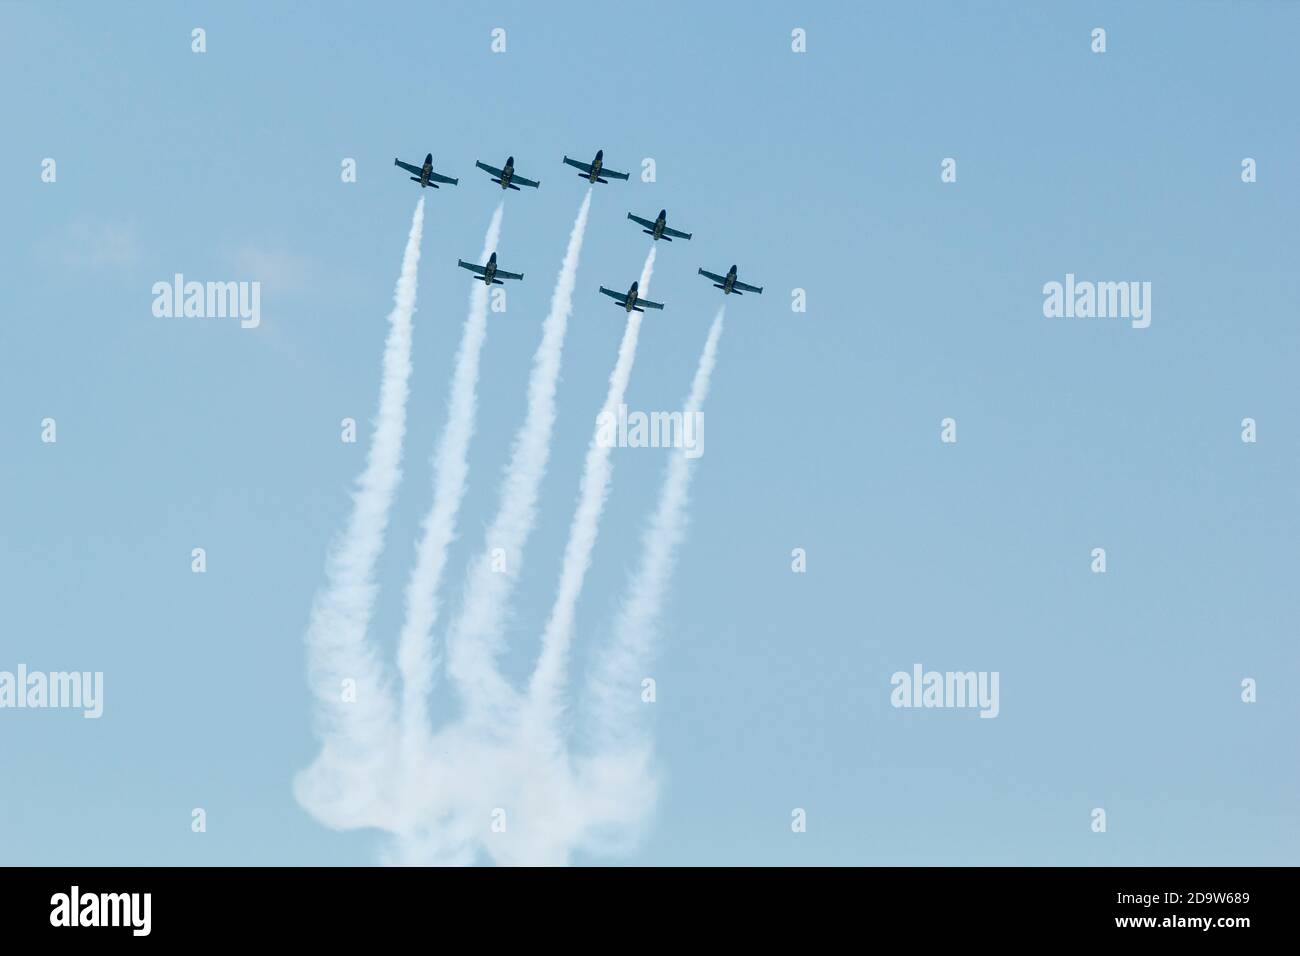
column 594, row 172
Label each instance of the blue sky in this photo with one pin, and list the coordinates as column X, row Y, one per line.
column 817, row 171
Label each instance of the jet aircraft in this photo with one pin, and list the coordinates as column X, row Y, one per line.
column 629, row 301
column 506, row 178
column 729, row 283
column 593, row 171
column 658, row 227
column 424, row 175
column 489, row 273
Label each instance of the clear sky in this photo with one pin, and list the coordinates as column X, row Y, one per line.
column 817, row 171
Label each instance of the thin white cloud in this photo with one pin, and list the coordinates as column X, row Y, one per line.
column 95, row 246
column 279, row 269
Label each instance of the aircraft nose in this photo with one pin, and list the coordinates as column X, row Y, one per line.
column 600, row 153
column 510, row 160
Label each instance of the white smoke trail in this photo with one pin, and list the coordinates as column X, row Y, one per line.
column 476, row 636
column 354, row 706
column 548, row 677
column 415, row 654
column 614, row 686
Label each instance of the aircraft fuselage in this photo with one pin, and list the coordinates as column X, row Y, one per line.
column 660, row 222
column 426, row 170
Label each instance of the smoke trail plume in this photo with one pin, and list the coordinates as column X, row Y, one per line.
column 415, row 654
column 615, row 681
column 354, row 705
column 548, row 678
column 476, row 636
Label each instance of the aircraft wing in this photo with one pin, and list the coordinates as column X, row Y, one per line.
column 713, row 276
column 439, row 178
column 614, row 295
column 491, row 169
column 408, row 167
column 585, row 167
column 479, row 270
column 676, row 234
column 644, row 222
column 502, row 274
column 746, row 287
column 521, row 181
column 646, row 303
column 606, row 171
